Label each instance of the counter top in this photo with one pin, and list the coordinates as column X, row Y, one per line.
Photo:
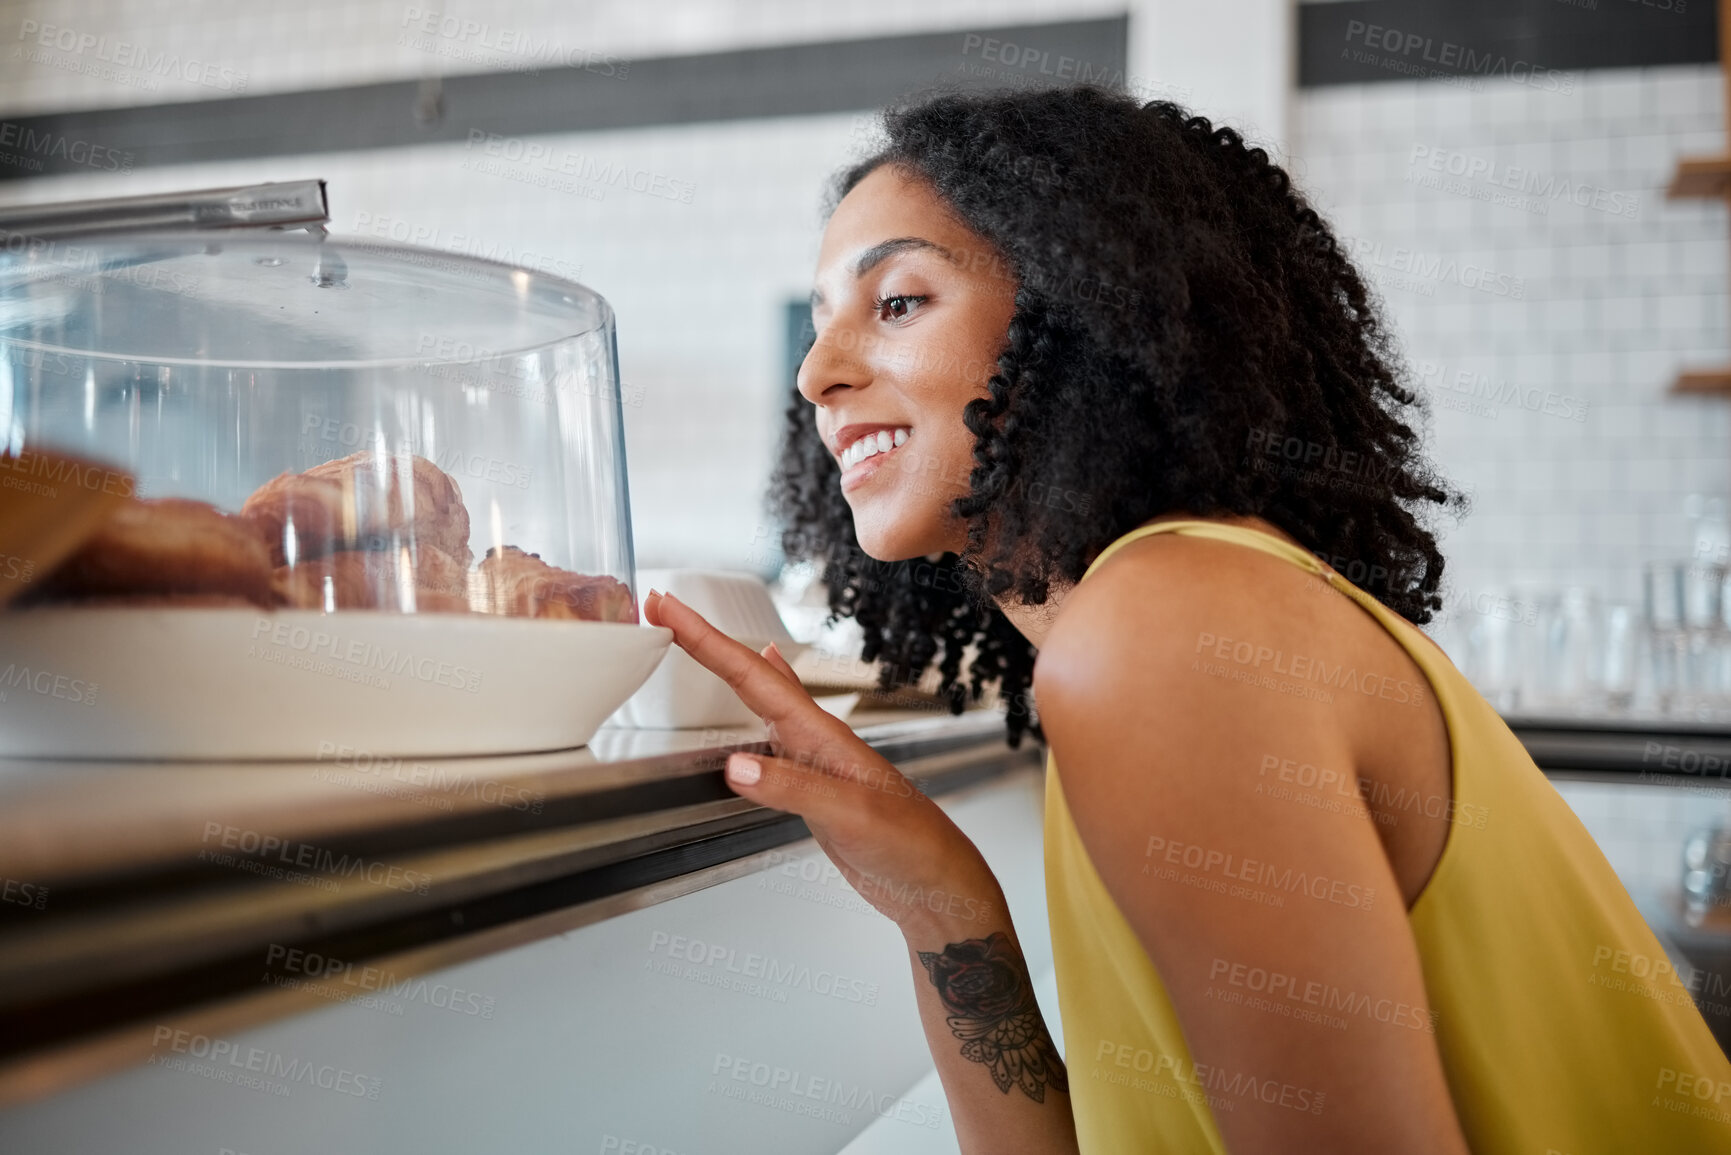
column 64, row 822
column 140, row 893
column 81, row 824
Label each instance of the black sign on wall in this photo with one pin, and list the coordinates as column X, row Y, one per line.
column 1527, row 41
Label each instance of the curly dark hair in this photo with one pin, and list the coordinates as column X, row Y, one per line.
column 1184, row 321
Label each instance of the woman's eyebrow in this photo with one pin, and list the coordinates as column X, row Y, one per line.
column 886, row 249
column 882, row 251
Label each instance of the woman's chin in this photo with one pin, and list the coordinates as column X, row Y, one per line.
column 888, row 539
column 887, row 550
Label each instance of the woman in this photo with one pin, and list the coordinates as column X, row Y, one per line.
column 1306, row 891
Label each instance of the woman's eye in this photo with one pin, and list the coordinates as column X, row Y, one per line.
column 897, row 308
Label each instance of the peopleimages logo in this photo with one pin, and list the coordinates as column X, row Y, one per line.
column 1041, row 61
column 1203, row 1076
column 1544, row 187
column 444, row 781
column 1687, row 759
column 1467, row 386
column 35, row 145
column 769, row 969
column 536, row 48
column 1436, row 268
column 1284, row 991
column 1309, row 668
column 283, row 643
column 24, row 893
column 462, row 244
column 1388, row 800
column 260, row 849
column 589, row 171
column 1206, row 860
column 43, row 468
column 47, row 684
column 295, row 968
column 1413, row 50
column 1680, row 1087
column 801, row 1093
column 135, row 57
column 229, row 1062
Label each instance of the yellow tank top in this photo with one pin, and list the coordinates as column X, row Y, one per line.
column 1561, row 1026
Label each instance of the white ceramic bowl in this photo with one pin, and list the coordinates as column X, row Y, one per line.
column 128, row 682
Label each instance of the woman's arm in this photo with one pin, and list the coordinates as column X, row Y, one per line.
column 1005, row 1082
column 1272, row 914
column 903, row 854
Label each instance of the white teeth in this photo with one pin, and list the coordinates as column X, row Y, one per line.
column 872, row 444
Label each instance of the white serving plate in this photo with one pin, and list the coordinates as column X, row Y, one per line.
column 138, row 682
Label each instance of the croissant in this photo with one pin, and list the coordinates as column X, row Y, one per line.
column 520, row 584
column 366, row 500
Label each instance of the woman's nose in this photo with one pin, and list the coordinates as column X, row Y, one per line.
column 832, row 363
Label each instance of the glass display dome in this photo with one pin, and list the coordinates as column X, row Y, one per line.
column 372, row 494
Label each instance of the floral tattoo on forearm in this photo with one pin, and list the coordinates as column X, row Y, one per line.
column 984, row 986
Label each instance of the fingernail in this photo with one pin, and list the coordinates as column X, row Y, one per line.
column 744, row 769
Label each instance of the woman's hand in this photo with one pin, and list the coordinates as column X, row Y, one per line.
column 891, row 842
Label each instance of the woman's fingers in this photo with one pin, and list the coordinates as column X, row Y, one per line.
column 771, row 693
column 830, row 793
column 772, row 655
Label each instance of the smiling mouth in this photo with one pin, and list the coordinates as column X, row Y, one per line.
column 883, row 441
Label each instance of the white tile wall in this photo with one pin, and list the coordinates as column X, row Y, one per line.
column 1612, row 306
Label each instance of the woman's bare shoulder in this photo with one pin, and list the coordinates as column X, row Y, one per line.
column 1167, row 598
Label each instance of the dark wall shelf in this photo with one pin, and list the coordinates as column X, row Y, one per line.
column 1676, row 753
column 785, row 80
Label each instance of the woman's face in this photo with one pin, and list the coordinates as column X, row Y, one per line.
column 911, row 309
